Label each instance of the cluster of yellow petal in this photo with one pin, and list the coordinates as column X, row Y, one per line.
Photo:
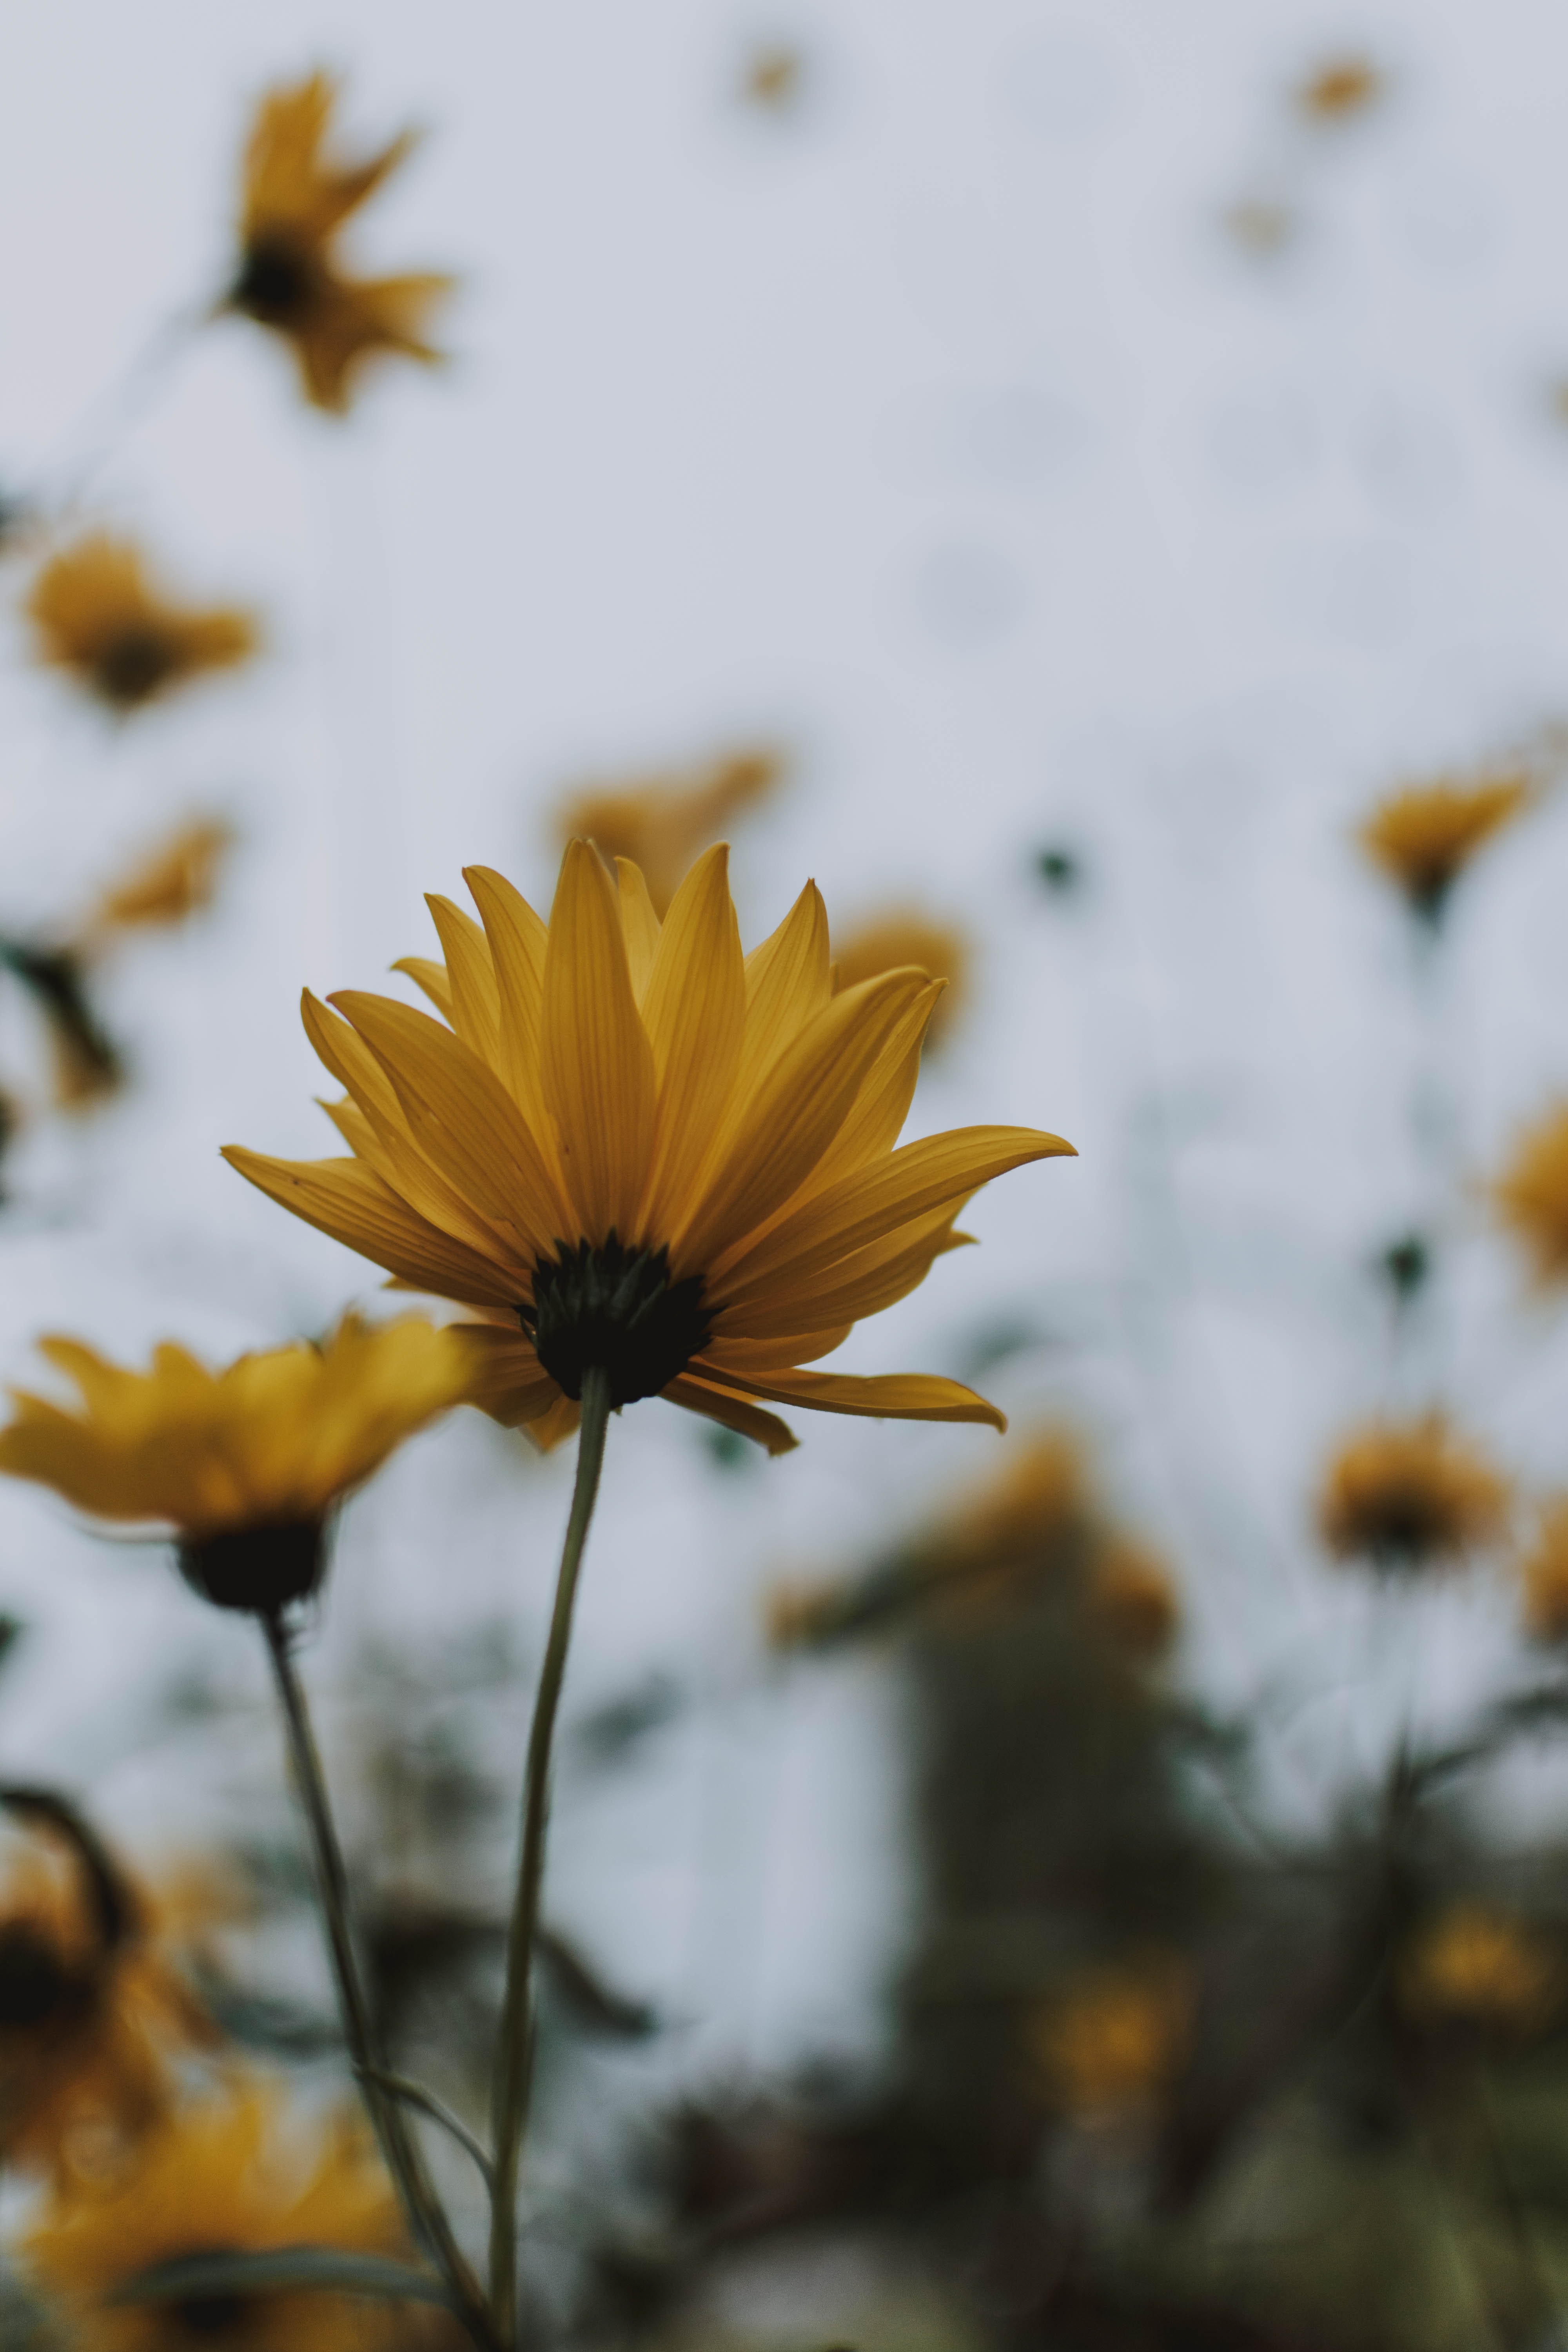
column 903, row 934
column 294, row 200
column 275, row 1438
column 1424, row 837
column 1475, row 1966
column 1531, row 1194
column 1411, row 1494
column 1108, row 2044
column 237, row 2174
column 612, row 1081
column 662, row 822
column 97, row 612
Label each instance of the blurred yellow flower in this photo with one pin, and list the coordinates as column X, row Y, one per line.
column 900, row 936
column 1531, row 1194
column 97, row 612
column 1107, row 2045
column 1424, row 837
column 294, row 201
column 237, row 2174
column 773, row 77
column 244, row 1464
column 1341, row 88
column 662, row 824
column 1474, row 1967
column 1132, row 1598
column 1411, row 1494
column 1544, row 1574
column 636, row 1152
column 164, row 885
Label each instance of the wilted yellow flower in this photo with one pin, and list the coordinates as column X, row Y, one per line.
column 1544, row 1574
column 662, row 824
column 1107, row 2045
column 635, row 1151
column 164, row 885
column 1411, row 1494
column 234, row 2174
column 1132, row 1598
column 1424, row 837
column 903, row 936
column 295, row 199
column 1341, row 88
column 97, row 612
column 1531, row 1194
column 244, row 1464
column 1474, row 1967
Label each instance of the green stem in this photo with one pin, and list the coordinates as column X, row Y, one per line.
column 425, row 2216
column 514, row 2067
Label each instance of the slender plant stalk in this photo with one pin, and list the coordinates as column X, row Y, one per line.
column 514, row 2067
column 425, row 2215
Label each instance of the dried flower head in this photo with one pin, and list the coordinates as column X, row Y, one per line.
column 1108, row 2044
column 1132, row 1598
column 234, row 2174
column 244, row 1464
column 1544, row 1574
column 165, row 886
column 1475, row 1967
column 295, row 199
column 903, row 936
column 1341, row 89
column 638, row 1152
column 1531, row 1194
column 98, row 614
column 1408, row 1496
column 661, row 824
column 1424, row 838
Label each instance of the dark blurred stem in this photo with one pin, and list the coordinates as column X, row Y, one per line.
column 425, row 2216
column 514, row 2066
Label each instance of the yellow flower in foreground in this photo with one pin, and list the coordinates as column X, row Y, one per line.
column 294, row 202
column 902, row 935
column 1107, row 2045
column 237, row 2175
column 164, row 885
column 1473, row 1967
column 1411, row 1494
column 1544, row 1574
column 1424, row 838
column 244, row 1464
column 661, row 824
column 1531, row 1194
column 96, row 613
column 636, row 1150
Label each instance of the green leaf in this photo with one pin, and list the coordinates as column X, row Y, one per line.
column 278, row 2270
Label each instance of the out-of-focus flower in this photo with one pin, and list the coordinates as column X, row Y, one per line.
column 97, row 612
column 294, row 201
column 638, row 1152
column 234, row 2174
column 1341, row 89
column 773, row 77
column 1263, row 226
column 1109, row 2044
column 164, row 885
column 1424, row 838
column 1544, row 1574
column 1474, row 1967
column 87, row 1065
column 662, row 824
column 1132, row 1598
column 901, row 936
column 1412, row 1495
column 244, row 1464
column 1531, row 1194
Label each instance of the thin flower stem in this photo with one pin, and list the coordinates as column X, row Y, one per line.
column 514, row 2068
column 425, row 2215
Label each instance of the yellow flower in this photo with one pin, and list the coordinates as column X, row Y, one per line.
column 1424, row 838
column 1532, row 1193
column 661, row 824
column 1543, row 1573
column 165, row 886
column 294, row 201
column 1473, row 1967
column 244, row 1464
column 235, row 2175
column 636, row 1152
column 1132, row 1598
column 1410, row 1495
column 1109, row 2044
column 1341, row 88
column 773, row 77
column 901, row 936
column 96, row 613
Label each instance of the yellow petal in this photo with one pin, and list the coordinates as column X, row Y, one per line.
column 518, row 943
column 788, row 982
column 346, row 1201
column 894, row 1396
column 508, row 1381
column 883, row 1103
column 764, row 1356
column 732, row 1412
column 553, row 1428
column 425, row 973
column 598, row 1066
column 475, row 1000
column 694, row 1013
column 864, row 1282
column 640, row 924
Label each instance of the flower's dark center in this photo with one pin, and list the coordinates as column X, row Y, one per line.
column 276, row 284
column 211, row 2314
column 616, row 1310
column 1404, row 1523
column 35, row 1983
column 134, row 663
column 260, row 1569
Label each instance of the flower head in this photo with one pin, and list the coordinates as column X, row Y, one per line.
column 97, row 612
column 903, row 936
column 1424, row 837
column 1531, row 1194
column 1474, row 1967
column 1407, row 1495
column 663, row 822
column 1108, row 2044
column 636, row 1152
column 294, row 201
column 1340, row 89
column 236, row 2174
column 1132, row 1598
column 244, row 1464
column 166, row 885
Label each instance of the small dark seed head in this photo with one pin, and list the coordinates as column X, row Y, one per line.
column 209, row 2314
column 34, row 1982
column 614, row 1310
column 276, row 283
column 132, row 665
column 259, row 1568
